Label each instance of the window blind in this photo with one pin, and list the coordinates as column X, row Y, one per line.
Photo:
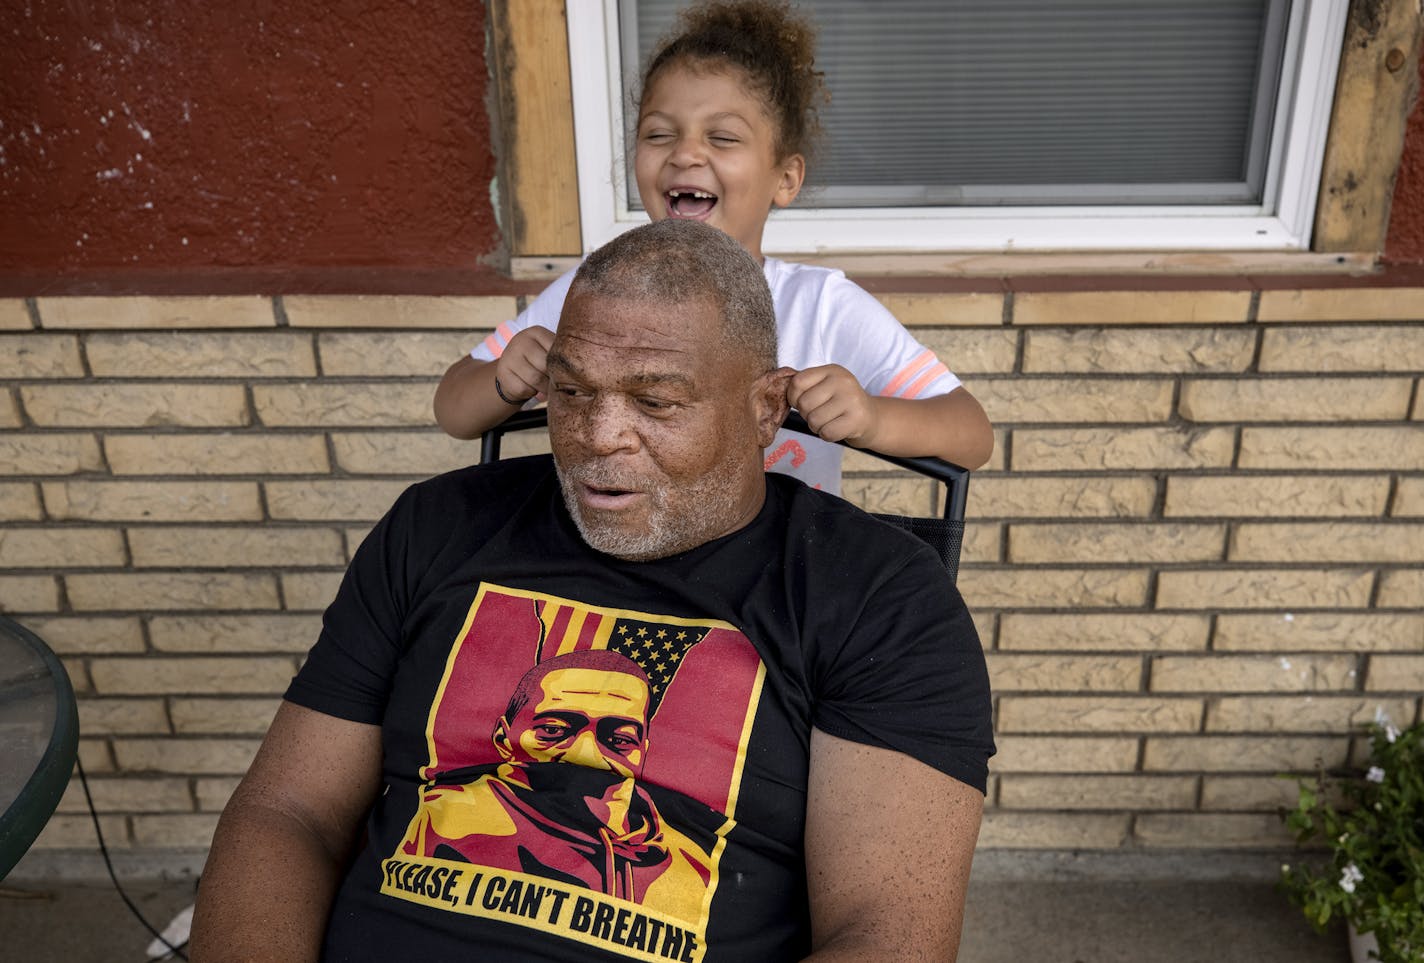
column 1031, row 102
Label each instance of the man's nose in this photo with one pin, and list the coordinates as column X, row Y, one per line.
column 609, row 427
column 585, row 751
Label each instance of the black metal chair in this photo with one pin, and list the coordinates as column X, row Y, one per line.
column 945, row 534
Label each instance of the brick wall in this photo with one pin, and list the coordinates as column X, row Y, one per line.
column 1196, row 560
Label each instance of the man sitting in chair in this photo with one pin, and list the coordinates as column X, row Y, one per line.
column 748, row 722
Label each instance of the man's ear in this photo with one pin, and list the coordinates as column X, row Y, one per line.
column 501, row 741
column 793, row 174
column 771, row 403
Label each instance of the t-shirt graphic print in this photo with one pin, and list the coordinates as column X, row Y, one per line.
column 582, row 775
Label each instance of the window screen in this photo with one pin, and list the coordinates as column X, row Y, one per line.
column 1030, row 102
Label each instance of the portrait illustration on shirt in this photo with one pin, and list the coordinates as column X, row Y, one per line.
column 589, row 794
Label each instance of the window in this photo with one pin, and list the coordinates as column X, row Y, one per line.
column 1018, row 125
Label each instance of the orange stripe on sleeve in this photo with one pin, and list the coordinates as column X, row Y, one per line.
column 924, row 358
column 914, row 390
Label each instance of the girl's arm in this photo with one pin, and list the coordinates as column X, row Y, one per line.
column 951, row 426
column 466, row 402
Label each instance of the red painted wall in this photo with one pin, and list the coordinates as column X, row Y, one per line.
column 258, row 146
column 1405, row 242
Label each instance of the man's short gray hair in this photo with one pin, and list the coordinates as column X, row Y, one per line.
column 675, row 261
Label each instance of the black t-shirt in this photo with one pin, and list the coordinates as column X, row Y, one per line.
column 487, row 843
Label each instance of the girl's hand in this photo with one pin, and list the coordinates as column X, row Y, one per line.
column 520, row 369
column 834, row 404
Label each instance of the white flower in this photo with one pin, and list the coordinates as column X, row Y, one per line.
column 1390, row 733
column 1350, row 877
column 1381, row 717
column 1343, row 838
column 1376, row 774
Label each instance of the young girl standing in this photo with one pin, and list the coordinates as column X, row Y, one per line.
column 726, row 121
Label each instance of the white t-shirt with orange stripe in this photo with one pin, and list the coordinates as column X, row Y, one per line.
column 822, row 317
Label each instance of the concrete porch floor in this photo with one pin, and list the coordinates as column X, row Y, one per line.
column 1031, row 909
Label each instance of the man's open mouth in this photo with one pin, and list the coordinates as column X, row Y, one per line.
column 599, row 496
column 688, row 202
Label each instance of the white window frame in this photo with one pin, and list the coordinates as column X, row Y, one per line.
column 1282, row 223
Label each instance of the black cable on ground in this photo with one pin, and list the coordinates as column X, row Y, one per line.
column 104, row 851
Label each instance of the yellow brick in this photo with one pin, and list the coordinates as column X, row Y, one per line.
column 1352, row 348
column 9, row 411
column 1097, row 792
column 973, row 352
column 1009, row 400
column 309, row 591
column 1409, row 498
column 1342, row 304
column 122, row 717
column 19, row 501
column 213, row 792
column 77, row 832
column 175, row 831
column 210, row 547
column 1139, row 351
column 404, row 312
column 981, row 542
column 89, row 635
column 1065, row 754
column 1099, row 449
column 135, row 405
column 14, row 316
column 1332, row 541
column 1212, row 830
column 172, row 354
column 392, row 353
column 156, row 312
column 1296, row 399
column 1131, row 307
column 997, row 496
column 332, row 500
column 1253, row 673
column 1320, row 631
column 224, row 716
column 345, row 405
column 217, row 454
column 1313, row 714
column 130, row 592
column 1023, row 830
column 1334, row 449
column 1063, row 673
column 1395, row 673
column 1239, row 496
column 152, row 501
column 416, row 452
column 1097, row 714
column 1401, row 589
column 1149, row 632
column 40, row 356
column 95, row 755
column 234, row 633
column 60, row 547
column 1269, row 793
column 1263, row 589
column 896, row 496
column 959, row 308
column 186, row 756
column 1052, row 588
column 78, row 676
column 117, row 794
column 1264, row 754
column 1089, row 542
column 49, row 454
column 28, row 593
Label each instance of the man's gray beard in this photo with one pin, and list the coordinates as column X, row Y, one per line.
column 666, row 534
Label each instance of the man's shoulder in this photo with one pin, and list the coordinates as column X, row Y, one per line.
column 816, row 519
column 483, row 485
